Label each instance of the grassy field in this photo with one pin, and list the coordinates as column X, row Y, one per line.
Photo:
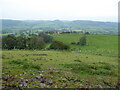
column 55, row 69
column 92, row 66
column 106, row 45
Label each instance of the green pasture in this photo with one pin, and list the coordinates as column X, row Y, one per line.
column 79, row 67
column 96, row 44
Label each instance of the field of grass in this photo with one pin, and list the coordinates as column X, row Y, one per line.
column 106, row 45
column 56, row 69
column 92, row 66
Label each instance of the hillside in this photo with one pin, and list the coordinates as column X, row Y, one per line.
column 47, row 25
column 96, row 44
column 94, row 65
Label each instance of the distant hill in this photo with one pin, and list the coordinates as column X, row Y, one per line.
column 48, row 25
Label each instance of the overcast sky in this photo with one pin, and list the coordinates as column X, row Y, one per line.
column 100, row 10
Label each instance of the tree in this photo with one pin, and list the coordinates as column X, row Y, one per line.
column 46, row 38
column 82, row 41
column 59, row 45
column 20, row 42
column 8, row 42
column 87, row 33
column 36, row 43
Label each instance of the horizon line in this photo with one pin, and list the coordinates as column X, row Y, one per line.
column 56, row 19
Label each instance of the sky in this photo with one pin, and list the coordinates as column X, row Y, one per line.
column 96, row 10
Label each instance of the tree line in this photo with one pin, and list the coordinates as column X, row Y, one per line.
column 35, row 42
column 31, row 43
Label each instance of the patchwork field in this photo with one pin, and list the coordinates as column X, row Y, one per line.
column 58, row 69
